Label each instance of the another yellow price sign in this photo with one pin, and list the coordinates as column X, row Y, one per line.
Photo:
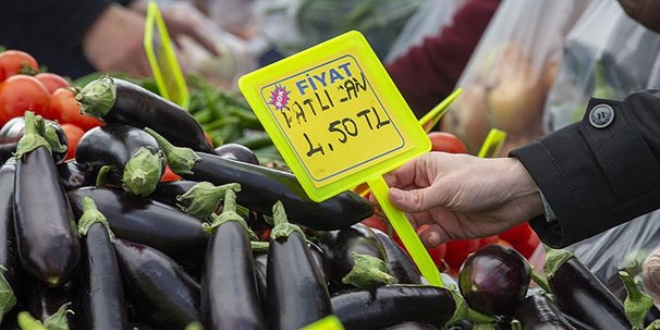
column 492, row 144
column 162, row 58
column 327, row 323
column 338, row 120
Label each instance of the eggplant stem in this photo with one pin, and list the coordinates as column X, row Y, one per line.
column 258, row 246
column 31, row 139
column 97, row 98
column 102, row 177
column 655, row 325
column 7, row 296
column 515, row 325
column 27, row 322
column 228, row 211
column 554, row 259
column 58, row 321
column 50, row 134
column 541, row 281
column 283, row 228
column 368, row 271
column 181, row 160
column 142, row 172
column 203, row 198
column 91, row 215
column 194, row 326
column 463, row 312
column 636, row 304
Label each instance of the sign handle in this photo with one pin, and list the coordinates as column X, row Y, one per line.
column 492, row 144
column 405, row 231
column 330, row 322
column 431, row 118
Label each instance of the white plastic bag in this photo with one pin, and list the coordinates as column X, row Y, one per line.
column 509, row 75
column 606, row 55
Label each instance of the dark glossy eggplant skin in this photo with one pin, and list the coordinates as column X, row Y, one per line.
column 13, row 131
column 43, row 220
column 261, row 187
column 389, row 305
column 494, row 280
column 144, row 221
column 103, row 294
column 579, row 292
column 114, row 145
column 412, row 326
column 230, row 298
column 139, row 107
column 297, row 294
column 261, row 271
column 74, row 175
column 167, row 192
column 236, row 152
column 575, row 323
column 399, row 264
column 158, row 288
column 538, row 312
column 338, row 246
column 321, row 261
column 7, row 151
column 8, row 246
column 42, row 301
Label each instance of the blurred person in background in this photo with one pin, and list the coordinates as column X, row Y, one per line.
column 77, row 37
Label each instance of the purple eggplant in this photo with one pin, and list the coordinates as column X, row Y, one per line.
column 44, row 302
column 160, row 290
column 14, row 129
column 578, row 292
column 144, row 221
column 297, row 295
column 12, row 273
column 43, row 218
column 399, row 263
column 538, row 312
column 74, row 175
column 389, row 305
column 119, row 101
column 236, row 152
column 494, row 280
column 230, row 298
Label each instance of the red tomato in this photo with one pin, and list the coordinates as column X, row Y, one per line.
column 505, row 243
column 459, row 250
column 519, row 233
column 13, row 62
column 73, row 135
column 438, row 255
column 20, row 93
column 64, row 104
column 485, row 241
column 169, row 175
column 447, row 142
column 528, row 246
column 52, row 81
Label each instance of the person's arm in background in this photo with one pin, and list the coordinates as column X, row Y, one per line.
column 595, row 178
column 428, row 73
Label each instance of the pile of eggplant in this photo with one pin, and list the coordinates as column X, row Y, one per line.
column 100, row 242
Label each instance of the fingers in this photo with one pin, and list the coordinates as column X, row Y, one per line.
column 415, row 200
column 431, row 235
column 406, row 174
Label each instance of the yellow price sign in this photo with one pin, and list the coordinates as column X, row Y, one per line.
column 162, row 58
column 338, row 120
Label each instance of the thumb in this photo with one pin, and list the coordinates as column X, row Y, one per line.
column 415, row 200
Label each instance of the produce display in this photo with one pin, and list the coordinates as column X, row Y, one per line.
column 151, row 216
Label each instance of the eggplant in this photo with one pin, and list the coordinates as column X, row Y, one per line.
column 494, row 280
column 577, row 324
column 297, row 295
column 538, row 312
column 339, row 246
column 12, row 275
column 578, row 292
column 261, row 187
column 43, row 219
column 157, row 286
column 412, row 326
column 261, row 271
column 389, row 305
column 236, row 152
column 167, row 192
column 103, row 294
column 144, row 221
column 133, row 156
column 119, row 101
column 74, row 175
column 399, row 263
column 321, row 260
column 230, row 298
column 14, row 129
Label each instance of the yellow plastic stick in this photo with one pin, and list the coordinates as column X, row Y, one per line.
column 431, row 118
column 406, row 232
column 492, row 144
column 330, row 322
column 162, row 59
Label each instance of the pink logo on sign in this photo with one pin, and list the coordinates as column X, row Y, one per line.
column 279, row 97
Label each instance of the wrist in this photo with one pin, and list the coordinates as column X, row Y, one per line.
column 526, row 193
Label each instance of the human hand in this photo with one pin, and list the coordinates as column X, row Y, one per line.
column 461, row 196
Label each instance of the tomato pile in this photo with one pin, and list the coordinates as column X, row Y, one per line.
column 24, row 88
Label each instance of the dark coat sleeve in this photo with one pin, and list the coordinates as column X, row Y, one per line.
column 596, row 178
column 428, row 73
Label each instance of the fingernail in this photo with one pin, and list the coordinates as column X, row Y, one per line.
column 432, row 239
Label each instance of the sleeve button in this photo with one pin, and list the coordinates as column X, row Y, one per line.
column 601, row 116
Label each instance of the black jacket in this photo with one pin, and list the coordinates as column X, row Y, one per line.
column 51, row 31
column 596, row 178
